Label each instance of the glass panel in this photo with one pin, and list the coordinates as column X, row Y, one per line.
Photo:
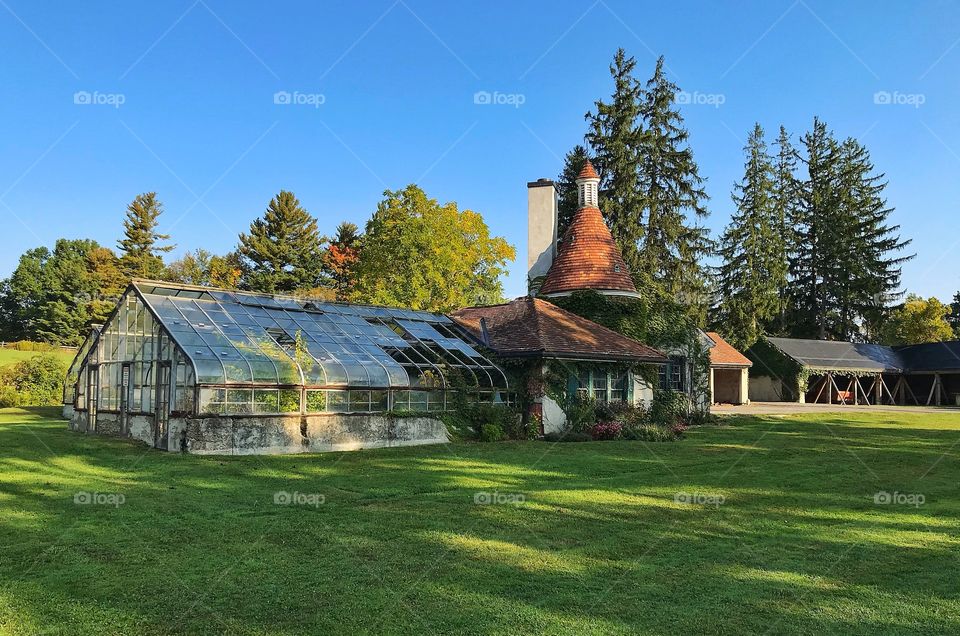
column 337, row 401
column 289, row 401
column 359, row 401
column 316, row 401
column 266, row 401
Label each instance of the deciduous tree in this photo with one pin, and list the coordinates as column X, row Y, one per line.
column 423, row 255
column 917, row 321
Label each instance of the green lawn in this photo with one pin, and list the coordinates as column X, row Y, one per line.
column 599, row 546
column 12, row 356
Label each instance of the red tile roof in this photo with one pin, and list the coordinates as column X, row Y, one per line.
column 534, row 327
column 724, row 355
column 588, row 258
column 588, row 172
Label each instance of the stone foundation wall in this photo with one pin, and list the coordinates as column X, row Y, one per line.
column 275, row 435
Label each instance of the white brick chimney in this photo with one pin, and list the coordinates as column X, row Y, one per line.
column 541, row 227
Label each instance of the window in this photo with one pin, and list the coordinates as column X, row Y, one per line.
column 282, row 337
column 600, row 386
column 673, row 374
column 603, row 385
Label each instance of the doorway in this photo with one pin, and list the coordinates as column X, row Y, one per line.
column 161, row 407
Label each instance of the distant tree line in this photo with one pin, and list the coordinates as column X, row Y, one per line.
column 415, row 253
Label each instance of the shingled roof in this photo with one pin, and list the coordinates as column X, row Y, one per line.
column 588, row 258
column 531, row 327
column 723, row 354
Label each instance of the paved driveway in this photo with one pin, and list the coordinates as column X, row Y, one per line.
column 790, row 408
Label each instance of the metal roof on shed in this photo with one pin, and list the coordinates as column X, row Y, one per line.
column 849, row 356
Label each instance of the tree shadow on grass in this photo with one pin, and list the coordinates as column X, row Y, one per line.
column 598, row 543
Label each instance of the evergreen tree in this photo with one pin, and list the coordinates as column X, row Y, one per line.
column 615, row 138
column 753, row 262
column 870, row 263
column 141, row 253
column 567, row 187
column 54, row 295
column 785, row 201
column 282, row 252
column 812, row 221
column 845, row 263
column 670, row 188
column 954, row 317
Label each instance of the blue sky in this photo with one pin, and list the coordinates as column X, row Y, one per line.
column 183, row 103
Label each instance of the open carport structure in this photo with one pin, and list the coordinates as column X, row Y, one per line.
column 827, row 372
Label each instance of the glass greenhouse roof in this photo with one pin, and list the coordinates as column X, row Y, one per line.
column 238, row 338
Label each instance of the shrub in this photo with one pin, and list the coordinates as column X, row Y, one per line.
column 37, row 381
column 628, row 414
column 491, row 433
column 606, row 431
column 669, row 407
column 581, row 414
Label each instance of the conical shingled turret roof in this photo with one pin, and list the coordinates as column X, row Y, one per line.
column 588, row 257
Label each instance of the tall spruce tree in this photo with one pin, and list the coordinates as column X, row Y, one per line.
column 812, row 221
column 954, row 317
column 141, row 251
column 845, row 260
column 282, row 252
column 785, row 200
column 567, row 187
column 753, row 266
column 616, row 139
column 671, row 189
column 870, row 263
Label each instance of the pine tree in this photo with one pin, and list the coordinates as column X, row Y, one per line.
column 954, row 317
column 812, row 220
column 141, row 253
column 785, row 201
column 615, row 138
column 282, row 252
column 670, row 188
column 844, row 260
column 870, row 267
column 567, row 187
column 753, row 262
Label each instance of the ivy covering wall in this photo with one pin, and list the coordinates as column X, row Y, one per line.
column 662, row 324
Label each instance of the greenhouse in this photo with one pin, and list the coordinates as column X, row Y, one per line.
column 206, row 370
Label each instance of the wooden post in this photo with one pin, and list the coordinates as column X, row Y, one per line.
column 823, row 385
column 830, row 388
